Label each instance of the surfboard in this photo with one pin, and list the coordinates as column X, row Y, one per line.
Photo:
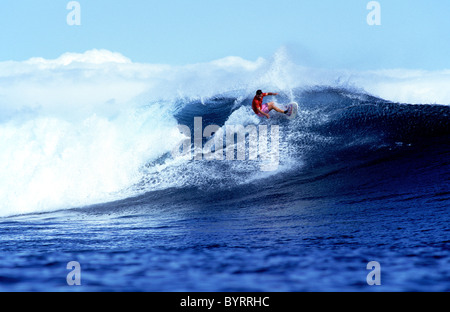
column 293, row 110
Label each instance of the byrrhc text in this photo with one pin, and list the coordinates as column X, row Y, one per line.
column 227, row 302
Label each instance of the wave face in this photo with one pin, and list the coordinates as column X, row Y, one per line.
column 336, row 128
column 55, row 164
column 59, row 153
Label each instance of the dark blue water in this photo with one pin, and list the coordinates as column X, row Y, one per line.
column 368, row 181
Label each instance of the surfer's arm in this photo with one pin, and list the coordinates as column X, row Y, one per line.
column 270, row 93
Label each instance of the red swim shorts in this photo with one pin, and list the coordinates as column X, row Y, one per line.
column 264, row 109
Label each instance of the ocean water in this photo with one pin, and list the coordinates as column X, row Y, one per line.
column 357, row 179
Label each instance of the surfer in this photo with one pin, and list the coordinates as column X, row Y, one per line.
column 262, row 110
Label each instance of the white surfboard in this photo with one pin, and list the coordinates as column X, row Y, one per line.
column 293, row 110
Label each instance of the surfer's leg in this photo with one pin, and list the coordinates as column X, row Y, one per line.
column 271, row 106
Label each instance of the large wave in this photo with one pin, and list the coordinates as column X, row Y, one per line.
column 96, row 127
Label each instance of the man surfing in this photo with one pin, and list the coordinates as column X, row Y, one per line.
column 262, row 110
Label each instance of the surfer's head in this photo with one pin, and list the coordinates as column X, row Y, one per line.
column 259, row 92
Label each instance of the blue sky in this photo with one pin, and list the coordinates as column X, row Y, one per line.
column 323, row 33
